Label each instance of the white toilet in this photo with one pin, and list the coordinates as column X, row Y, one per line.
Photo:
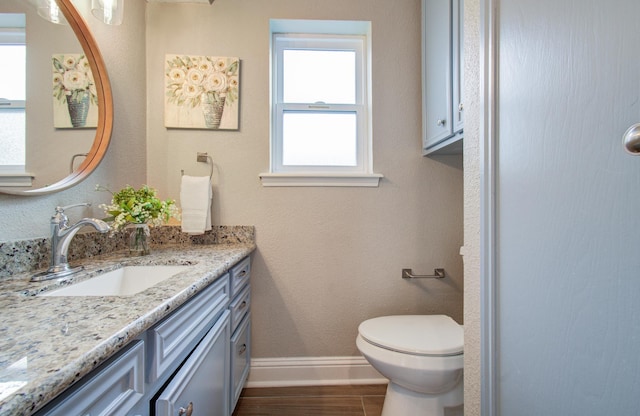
column 422, row 356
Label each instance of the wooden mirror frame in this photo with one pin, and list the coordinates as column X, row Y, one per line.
column 105, row 107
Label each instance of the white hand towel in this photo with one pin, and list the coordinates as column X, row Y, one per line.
column 195, row 200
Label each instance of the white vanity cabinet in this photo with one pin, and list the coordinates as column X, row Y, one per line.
column 442, row 76
column 194, row 361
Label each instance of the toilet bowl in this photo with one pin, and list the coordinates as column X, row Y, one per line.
column 422, row 356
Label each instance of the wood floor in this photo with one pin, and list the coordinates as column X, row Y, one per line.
column 365, row 400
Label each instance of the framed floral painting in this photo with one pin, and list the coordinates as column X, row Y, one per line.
column 201, row 92
column 75, row 103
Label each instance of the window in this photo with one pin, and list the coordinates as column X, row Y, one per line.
column 12, row 95
column 320, row 107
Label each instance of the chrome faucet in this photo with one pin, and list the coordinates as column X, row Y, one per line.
column 61, row 235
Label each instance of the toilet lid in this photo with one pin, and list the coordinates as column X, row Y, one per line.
column 415, row 334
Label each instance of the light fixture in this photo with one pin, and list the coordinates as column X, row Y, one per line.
column 110, row 12
column 49, row 10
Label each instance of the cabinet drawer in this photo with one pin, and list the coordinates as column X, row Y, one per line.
column 240, row 358
column 112, row 390
column 172, row 339
column 202, row 383
column 239, row 307
column 240, row 274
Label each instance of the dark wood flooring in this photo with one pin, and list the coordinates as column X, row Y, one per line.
column 364, row 400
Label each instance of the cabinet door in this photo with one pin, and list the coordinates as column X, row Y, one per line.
column 240, row 358
column 457, row 54
column 176, row 335
column 114, row 388
column 437, row 123
column 202, row 383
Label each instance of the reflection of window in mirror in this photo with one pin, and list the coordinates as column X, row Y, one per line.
column 12, row 92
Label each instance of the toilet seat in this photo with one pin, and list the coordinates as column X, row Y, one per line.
column 426, row 335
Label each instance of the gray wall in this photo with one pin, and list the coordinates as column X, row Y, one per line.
column 328, row 258
column 122, row 48
column 472, row 340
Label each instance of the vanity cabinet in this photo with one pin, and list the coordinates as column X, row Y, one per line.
column 442, row 76
column 196, row 360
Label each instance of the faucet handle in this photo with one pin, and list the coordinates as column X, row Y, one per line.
column 60, row 210
column 60, row 218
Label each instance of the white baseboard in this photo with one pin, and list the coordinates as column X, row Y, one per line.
column 312, row 371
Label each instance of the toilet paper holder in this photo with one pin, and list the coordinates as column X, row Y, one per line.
column 437, row 274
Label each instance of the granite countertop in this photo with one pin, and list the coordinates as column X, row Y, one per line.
column 48, row 343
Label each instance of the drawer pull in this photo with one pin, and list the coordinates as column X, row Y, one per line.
column 242, row 349
column 187, row 412
column 241, row 274
column 242, row 305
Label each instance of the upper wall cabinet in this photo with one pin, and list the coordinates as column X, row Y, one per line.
column 442, row 76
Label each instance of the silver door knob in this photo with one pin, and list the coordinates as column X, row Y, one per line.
column 631, row 140
column 441, row 122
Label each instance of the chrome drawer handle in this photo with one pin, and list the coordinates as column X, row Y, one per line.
column 243, row 305
column 241, row 274
column 441, row 122
column 187, row 412
column 242, row 349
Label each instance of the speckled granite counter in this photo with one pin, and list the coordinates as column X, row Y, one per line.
column 48, row 343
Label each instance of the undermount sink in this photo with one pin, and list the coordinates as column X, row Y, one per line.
column 124, row 281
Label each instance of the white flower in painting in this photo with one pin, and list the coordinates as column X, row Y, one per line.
column 205, row 66
column 195, row 76
column 57, row 79
column 221, row 65
column 191, row 91
column 83, row 65
column 69, row 61
column 215, row 82
column 177, row 75
column 75, row 80
column 233, row 82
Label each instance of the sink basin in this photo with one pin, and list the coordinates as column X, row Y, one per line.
column 124, row 281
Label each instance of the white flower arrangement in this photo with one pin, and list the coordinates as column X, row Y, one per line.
column 141, row 206
column 73, row 79
column 192, row 80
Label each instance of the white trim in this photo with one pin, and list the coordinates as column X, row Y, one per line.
column 16, row 179
column 488, row 187
column 312, row 371
column 318, row 179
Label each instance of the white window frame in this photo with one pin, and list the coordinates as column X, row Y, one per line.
column 321, row 35
column 13, row 32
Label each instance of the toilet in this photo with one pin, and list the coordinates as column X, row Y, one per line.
column 422, row 356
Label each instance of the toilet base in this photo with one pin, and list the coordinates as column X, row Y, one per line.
column 400, row 401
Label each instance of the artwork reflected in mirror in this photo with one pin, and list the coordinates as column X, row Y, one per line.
column 74, row 92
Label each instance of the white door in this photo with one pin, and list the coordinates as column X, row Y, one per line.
column 567, row 208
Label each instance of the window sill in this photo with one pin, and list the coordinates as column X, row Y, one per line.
column 15, row 179
column 321, row 179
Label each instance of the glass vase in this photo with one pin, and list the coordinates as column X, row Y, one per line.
column 139, row 239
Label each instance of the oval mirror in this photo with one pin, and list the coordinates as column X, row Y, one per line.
column 58, row 155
